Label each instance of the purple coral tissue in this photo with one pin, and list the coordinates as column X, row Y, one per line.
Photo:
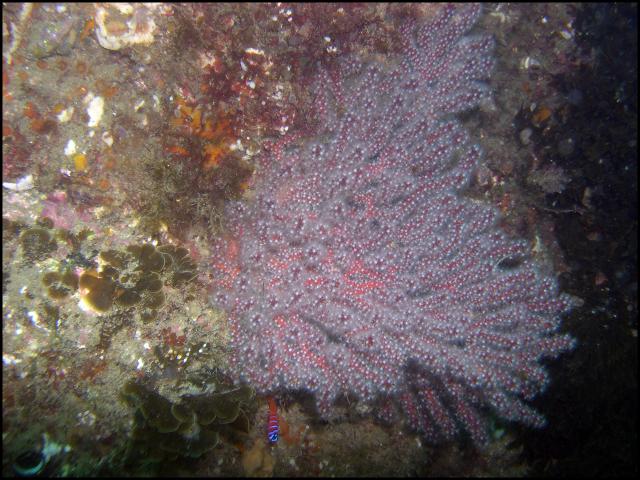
column 358, row 268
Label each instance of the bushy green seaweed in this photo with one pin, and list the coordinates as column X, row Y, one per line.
column 132, row 281
column 140, row 272
column 165, row 430
column 37, row 244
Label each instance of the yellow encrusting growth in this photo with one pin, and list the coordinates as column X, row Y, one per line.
column 80, row 162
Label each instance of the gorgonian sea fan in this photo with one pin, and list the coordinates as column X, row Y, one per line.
column 358, row 268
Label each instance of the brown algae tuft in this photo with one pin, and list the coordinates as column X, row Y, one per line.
column 96, row 291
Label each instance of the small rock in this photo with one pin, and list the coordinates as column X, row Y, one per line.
column 566, row 147
column 525, row 136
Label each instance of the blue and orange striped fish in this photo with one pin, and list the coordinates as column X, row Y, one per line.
column 273, row 428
